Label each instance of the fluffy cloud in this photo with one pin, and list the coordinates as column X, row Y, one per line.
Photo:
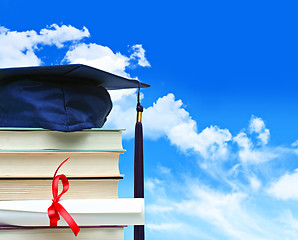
column 99, row 57
column 166, row 226
column 165, row 114
column 18, row 49
column 249, row 153
column 257, row 125
column 167, row 118
column 289, row 222
column 255, row 183
column 56, row 35
column 285, row 187
column 295, row 144
column 229, row 207
column 243, row 141
column 139, row 55
column 199, row 207
column 256, row 156
column 104, row 58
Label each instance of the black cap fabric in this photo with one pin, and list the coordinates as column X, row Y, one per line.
column 62, row 98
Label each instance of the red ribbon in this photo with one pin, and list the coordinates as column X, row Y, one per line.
column 56, row 208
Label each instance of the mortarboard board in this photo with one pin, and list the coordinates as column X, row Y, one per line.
column 62, row 98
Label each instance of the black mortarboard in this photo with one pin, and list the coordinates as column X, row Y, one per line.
column 63, row 98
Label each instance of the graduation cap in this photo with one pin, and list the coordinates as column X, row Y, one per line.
column 62, row 98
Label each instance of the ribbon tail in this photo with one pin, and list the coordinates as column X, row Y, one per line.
column 72, row 224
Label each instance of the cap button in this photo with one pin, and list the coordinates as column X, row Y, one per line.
column 139, row 108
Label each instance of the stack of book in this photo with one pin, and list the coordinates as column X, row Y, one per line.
column 29, row 159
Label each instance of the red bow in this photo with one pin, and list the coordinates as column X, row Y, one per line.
column 56, row 208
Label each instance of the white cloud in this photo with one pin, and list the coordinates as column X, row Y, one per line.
column 176, row 230
column 233, row 214
column 295, row 144
column 98, row 56
column 123, row 114
column 255, row 183
column 228, row 214
column 104, row 58
column 165, row 226
column 168, row 118
column 152, row 184
column 56, row 35
column 243, row 141
column 251, row 156
column 119, row 95
column 285, row 187
column 164, row 115
column 164, row 170
column 289, row 222
column 18, row 49
column 156, row 208
column 249, row 153
column 139, row 55
column 257, row 125
column 210, row 143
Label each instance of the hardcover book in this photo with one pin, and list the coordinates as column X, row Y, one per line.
column 41, row 189
column 86, row 233
column 42, row 164
column 41, row 139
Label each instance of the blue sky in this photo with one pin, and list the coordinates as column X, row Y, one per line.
column 220, row 120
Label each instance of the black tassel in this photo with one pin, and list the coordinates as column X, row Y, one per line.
column 139, row 233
